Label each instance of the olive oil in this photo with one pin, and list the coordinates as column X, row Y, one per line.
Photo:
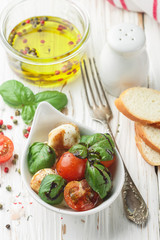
column 45, row 41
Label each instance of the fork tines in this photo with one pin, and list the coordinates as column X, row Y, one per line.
column 94, row 90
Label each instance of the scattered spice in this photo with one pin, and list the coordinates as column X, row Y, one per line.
column 24, row 131
column 3, row 127
column 19, row 171
column 14, row 161
column 8, row 188
column 6, row 169
column 9, row 127
column 15, row 121
column 1, row 206
column 57, row 72
column 26, row 135
column 1, row 133
column 11, row 117
column 28, row 21
column 8, row 226
column 17, row 112
column 18, row 195
column 15, row 156
column 29, row 129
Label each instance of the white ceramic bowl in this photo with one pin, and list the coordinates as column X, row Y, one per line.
column 46, row 118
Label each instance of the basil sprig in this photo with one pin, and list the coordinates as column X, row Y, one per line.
column 98, row 177
column 16, row 95
column 40, row 156
column 52, row 189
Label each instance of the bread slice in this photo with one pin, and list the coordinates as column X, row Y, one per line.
column 150, row 135
column 149, row 155
column 140, row 105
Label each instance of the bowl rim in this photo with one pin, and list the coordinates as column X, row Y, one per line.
column 100, row 207
column 27, row 59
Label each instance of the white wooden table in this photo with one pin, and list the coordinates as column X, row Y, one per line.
column 36, row 222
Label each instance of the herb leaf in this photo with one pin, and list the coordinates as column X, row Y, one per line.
column 40, row 156
column 55, row 98
column 16, row 94
column 79, row 151
column 28, row 112
column 98, row 177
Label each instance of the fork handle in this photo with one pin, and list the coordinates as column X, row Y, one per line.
column 134, row 205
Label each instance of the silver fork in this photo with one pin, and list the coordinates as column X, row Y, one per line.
column 134, row 205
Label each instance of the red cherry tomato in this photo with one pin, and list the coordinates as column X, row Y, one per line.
column 6, row 148
column 80, row 196
column 70, row 167
column 107, row 164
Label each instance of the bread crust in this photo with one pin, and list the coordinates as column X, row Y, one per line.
column 140, row 131
column 139, row 140
column 122, row 108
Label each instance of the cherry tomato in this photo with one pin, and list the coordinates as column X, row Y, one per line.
column 6, row 148
column 80, row 196
column 70, row 167
column 107, row 164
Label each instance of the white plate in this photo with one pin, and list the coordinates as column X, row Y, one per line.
column 46, row 118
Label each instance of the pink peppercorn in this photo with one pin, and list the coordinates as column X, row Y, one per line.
column 9, row 127
column 71, row 43
column 74, row 70
column 6, row 169
column 57, row 72
column 19, row 34
column 27, row 21
column 11, row 117
column 24, row 52
column 29, row 129
column 1, row 133
column 24, row 40
column 60, row 79
column 69, row 73
column 42, row 41
column 26, row 135
column 42, row 22
column 1, row 122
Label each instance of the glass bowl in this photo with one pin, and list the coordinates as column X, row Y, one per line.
column 50, row 71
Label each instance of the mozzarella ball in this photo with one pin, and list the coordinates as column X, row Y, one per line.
column 63, row 137
column 38, row 177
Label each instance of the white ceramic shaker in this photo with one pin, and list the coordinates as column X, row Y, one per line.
column 124, row 61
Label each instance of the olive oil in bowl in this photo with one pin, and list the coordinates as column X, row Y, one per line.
column 46, row 44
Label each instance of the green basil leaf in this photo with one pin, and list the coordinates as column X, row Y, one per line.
column 89, row 140
column 55, row 98
column 52, row 189
column 40, row 156
column 79, row 151
column 28, row 112
column 98, row 177
column 15, row 94
column 101, row 151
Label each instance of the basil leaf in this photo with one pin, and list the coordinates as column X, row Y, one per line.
column 28, row 112
column 89, row 140
column 98, row 177
column 55, row 98
column 79, row 151
column 101, row 151
column 40, row 156
column 15, row 94
column 52, row 189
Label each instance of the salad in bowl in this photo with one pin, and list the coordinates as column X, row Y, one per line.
column 69, row 168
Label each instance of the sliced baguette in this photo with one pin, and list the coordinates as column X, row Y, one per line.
column 149, row 155
column 150, row 135
column 140, row 105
